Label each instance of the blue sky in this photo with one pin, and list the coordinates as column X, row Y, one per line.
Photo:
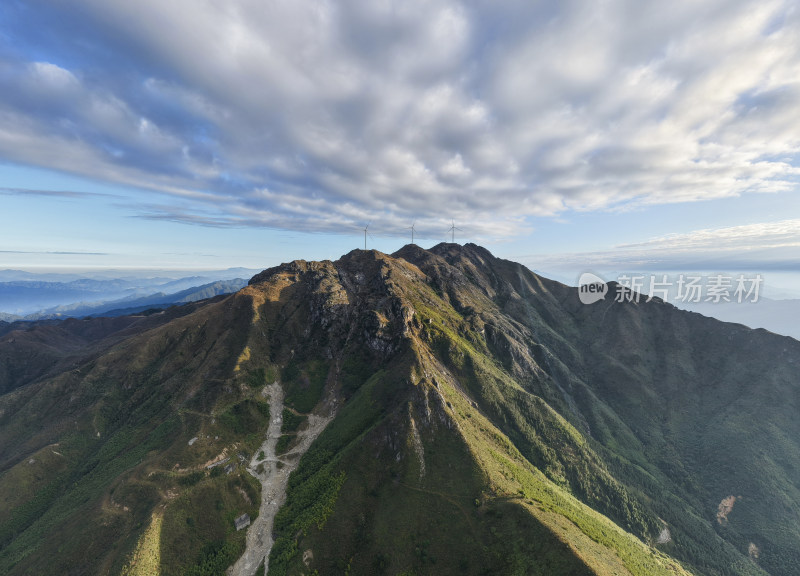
column 634, row 135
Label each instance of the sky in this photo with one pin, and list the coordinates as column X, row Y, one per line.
column 566, row 135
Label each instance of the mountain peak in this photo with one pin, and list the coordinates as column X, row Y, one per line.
column 443, row 411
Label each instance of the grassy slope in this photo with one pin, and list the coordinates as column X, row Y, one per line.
column 116, row 446
column 450, row 493
column 483, row 411
column 711, row 424
column 676, row 417
column 388, row 519
column 479, row 508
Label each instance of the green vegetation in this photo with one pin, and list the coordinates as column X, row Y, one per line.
column 215, row 558
column 245, row 416
column 546, row 439
column 304, row 382
column 99, row 468
column 314, row 486
column 256, row 378
column 356, row 369
column 69, row 496
column 486, row 423
column 538, row 352
column 245, row 421
column 199, row 527
column 282, row 445
column 291, row 421
column 515, row 477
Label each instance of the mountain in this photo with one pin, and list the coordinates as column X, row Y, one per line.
column 434, row 411
column 132, row 302
column 24, row 294
column 132, row 305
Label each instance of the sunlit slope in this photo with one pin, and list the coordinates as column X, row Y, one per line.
column 483, row 421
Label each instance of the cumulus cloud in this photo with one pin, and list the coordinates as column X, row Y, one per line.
column 317, row 115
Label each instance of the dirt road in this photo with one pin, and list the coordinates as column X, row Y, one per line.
column 274, row 479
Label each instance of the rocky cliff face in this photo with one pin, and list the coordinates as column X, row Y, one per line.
column 481, row 421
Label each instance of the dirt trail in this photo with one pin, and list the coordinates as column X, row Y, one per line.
column 273, row 482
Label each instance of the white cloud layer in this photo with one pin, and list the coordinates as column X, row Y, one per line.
column 758, row 247
column 745, row 238
column 316, row 115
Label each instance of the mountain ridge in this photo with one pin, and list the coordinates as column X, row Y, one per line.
column 43, row 294
column 483, row 420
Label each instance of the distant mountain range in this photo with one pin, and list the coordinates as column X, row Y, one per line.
column 131, row 277
column 27, row 296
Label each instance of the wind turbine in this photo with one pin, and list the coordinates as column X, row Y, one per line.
column 453, row 229
column 412, row 231
column 365, row 234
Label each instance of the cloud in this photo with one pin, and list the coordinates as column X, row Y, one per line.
column 52, row 193
column 316, row 116
column 749, row 237
column 60, row 253
column 756, row 247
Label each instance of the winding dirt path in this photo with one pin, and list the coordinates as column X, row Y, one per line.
column 274, row 480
